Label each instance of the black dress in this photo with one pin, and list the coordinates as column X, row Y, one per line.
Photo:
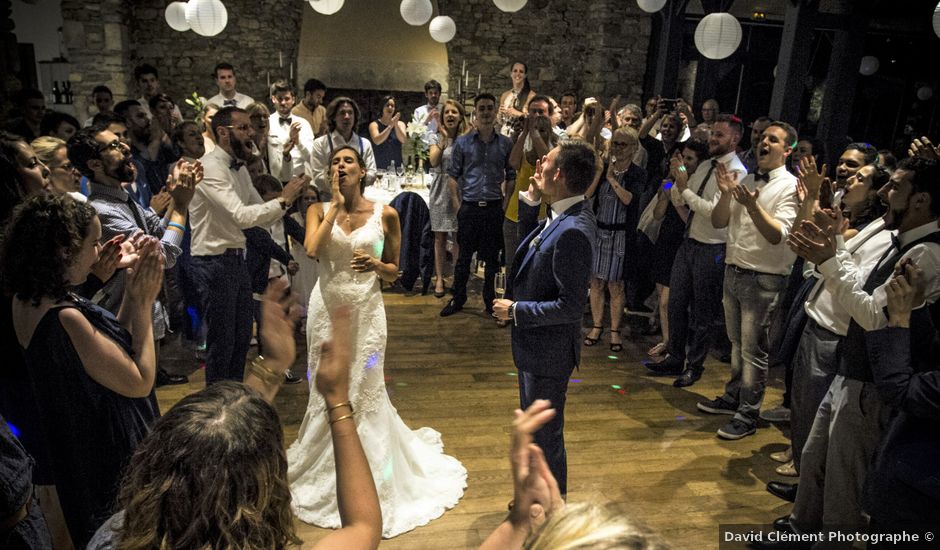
column 91, row 431
column 667, row 244
column 387, row 151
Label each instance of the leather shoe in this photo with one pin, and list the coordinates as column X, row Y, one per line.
column 666, row 367
column 786, row 491
column 688, row 377
column 289, row 378
column 166, row 379
column 451, row 308
column 783, row 524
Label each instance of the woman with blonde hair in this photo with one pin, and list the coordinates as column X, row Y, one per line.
column 63, row 177
column 443, row 215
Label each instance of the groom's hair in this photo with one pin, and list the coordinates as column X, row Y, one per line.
column 576, row 160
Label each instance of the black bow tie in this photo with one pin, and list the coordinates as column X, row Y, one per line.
column 236, row 164
column 284, row 120
column 230, row 102
column 761, row 177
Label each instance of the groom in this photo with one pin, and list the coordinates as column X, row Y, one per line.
column 547, row 290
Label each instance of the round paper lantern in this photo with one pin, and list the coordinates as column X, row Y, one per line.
column 924, row 93
column 206, row 17
column 936, row 20
column 869, row 65
column 717, row 35
column 651, row 6
column 510, row 6
column 175, row 15
column 443, row 28
column 416, row 12
column 326, row 7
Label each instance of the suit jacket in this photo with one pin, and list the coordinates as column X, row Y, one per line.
column 549, row 283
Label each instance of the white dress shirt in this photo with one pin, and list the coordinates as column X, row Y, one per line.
column 323, row 148
column 241, row 100
column 868, row 309
column 557, row 209
column 702, row 229
column 224, row 203
column 858, row 257
column 298, row 161
column 421, row 113
column 747, row 248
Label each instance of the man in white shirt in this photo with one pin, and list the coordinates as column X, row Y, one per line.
column 224, row 74
column 697, row 273
column 148, row 83
column 430, row 113
column 290, row 137
column 343, row 117
column 758, row 213
column 221, row 208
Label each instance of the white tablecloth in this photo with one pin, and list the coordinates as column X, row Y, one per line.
column 385, row 196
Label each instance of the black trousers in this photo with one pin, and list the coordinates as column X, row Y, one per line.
column 480, row 230
column 228, row 308
column 695, row 293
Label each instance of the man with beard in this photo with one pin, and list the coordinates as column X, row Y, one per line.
column 430, row 112
column 343, row 117
column 698, row 270
column 101, row 156
column 311, row 106
column 225, row 204
column 290, row 137
column 758, row 213
column 152, row 155
column 851, row 419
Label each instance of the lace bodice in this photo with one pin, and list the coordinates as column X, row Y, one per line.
column 340, row 284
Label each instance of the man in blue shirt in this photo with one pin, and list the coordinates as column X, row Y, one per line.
column 479, row 174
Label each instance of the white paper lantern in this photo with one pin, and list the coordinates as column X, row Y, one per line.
column 718, row 35
column 443, row 28
column 175, row 15
column 206, row 17
column 510, row 6
column 924, row 93
column 326, row 7
column 416, row 12
column 651, row 6
column 936, row 20
column 869, row 65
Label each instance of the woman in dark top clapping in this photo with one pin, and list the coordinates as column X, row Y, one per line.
column 92, row 373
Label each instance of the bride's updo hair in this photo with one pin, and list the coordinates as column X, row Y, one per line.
column 359, row 161
column 211, row 474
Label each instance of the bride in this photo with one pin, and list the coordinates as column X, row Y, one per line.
column 357, row 243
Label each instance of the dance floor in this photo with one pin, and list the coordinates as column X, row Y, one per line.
column 632, row 439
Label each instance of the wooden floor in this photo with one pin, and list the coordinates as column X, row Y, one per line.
column 632, row 439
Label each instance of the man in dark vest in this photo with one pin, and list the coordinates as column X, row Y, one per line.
column 851, row 419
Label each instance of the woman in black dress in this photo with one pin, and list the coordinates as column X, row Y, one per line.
column 92, row 374
column 388, row 135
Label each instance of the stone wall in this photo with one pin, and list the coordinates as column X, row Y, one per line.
column 596, row 48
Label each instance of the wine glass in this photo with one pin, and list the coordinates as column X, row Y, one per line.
column 400, row 170
column 501, row 283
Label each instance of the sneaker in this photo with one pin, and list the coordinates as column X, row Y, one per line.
column 717, row 406
column 776, row 414
column 735, row 429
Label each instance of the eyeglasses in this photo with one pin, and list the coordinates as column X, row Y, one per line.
column 68, row 167
column 619, row 144
column 240, row 127
column 116, row 145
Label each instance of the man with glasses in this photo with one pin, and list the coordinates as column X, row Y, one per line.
column 101, row 156
column 225, row 204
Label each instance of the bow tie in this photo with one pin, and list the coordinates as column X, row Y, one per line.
column 761, row 177
column 236, row 164
column 284, row 120
column 230, row 103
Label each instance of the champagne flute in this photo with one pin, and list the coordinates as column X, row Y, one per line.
column 500, row 283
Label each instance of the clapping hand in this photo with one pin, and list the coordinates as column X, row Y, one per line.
column 181, row 184
column 294, row 188
column 724, row 178
column 535, row 491
column 831, row 221
column 294, row 134
column 745, row 196
column 905, row 292
column 332, row 378
column 161, row 201
column 279, row 313
column 537, row 178
column 678, row 172
column 924, row 149
column 145, row 278
column 812, row 177
column 812, row 243
column 109, row 259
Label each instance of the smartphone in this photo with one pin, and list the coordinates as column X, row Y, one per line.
column 669, row 104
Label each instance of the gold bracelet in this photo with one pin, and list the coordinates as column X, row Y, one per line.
column 265, row 374
column 334, row 407
column 340, row 418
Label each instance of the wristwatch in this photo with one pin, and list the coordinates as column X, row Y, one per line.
column 284, row 204
column 512, row 312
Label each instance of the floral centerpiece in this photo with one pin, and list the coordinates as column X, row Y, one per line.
column 416, row 150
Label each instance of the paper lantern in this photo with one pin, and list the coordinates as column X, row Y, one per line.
column 206, row 17
column 869, row 65
column 443, row 28
column 651, row 6
column 326, row 7
column 717, row 35
column 936, row 20
column 416, row 12
column 510, row 6
column 175, row 15
column 924, row 93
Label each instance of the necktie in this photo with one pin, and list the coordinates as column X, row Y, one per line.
column 284, row 120
column 700, row 192
column 761, row 177
column 230, row 103
column 236, row 165
column 134, row 212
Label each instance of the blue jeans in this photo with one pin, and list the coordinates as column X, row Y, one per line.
column 749, row 299
column 551, row 437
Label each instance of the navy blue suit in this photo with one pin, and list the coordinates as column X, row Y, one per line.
column 548, row 282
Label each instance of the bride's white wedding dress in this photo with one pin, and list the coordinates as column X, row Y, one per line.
column 415, row 480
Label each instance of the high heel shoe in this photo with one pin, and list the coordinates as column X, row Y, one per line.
column 618, row 346
column 591, row 341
